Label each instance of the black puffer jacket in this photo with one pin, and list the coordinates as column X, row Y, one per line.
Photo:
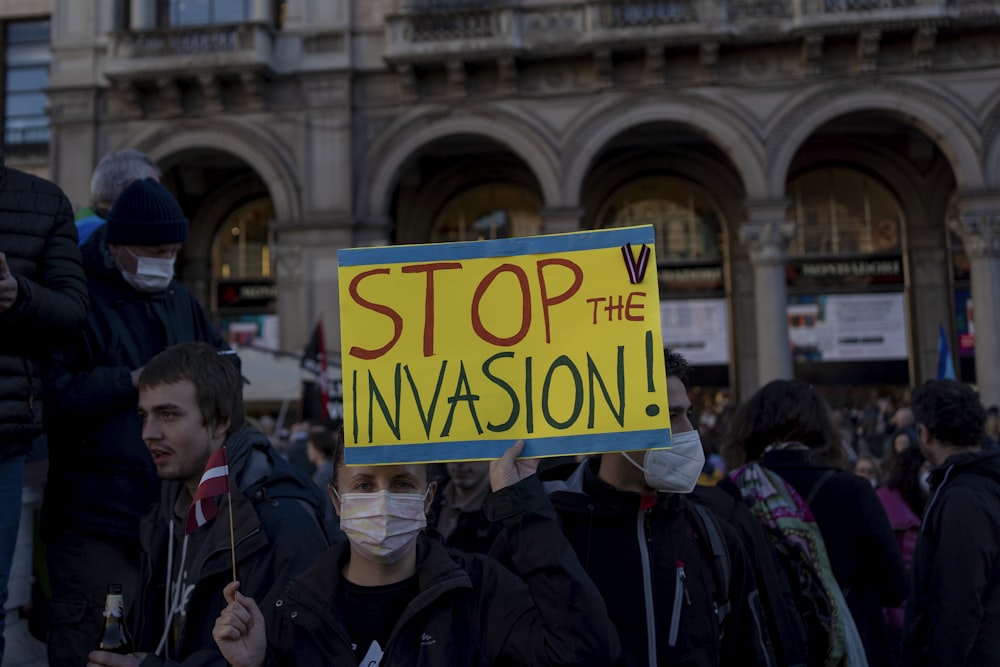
column 38, row 237
column 281, row 524
column 953, row 613
column 101, row 477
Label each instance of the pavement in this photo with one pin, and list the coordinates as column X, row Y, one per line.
column 22, row 650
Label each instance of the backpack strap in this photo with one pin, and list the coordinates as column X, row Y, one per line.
column 708, row 527
column 819, row 483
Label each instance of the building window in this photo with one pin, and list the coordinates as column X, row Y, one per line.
column 843, row 212
column 686, row 223
column 180, row 13
column 28, row 54
column 487, row 212
column 243, row 243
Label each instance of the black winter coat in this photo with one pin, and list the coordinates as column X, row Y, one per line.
column 281, row 523
column 953, row 613
column 101, row 477
column 469, row 610
column 38, row 237
column 657, row 575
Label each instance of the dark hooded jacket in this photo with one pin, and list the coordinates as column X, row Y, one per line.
column 101, row 477
column 953, row 612
column 281, row 524
column 469, row 609
column 859, row 541
column 38, row 237
column 658, row 575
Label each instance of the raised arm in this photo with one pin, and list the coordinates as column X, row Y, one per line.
column 563, row 621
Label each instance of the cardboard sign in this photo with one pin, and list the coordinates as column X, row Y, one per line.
column 453, row 351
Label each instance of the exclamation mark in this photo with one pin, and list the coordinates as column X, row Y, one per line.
column 652, row 409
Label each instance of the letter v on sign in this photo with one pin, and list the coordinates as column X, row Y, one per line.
column 636, row 268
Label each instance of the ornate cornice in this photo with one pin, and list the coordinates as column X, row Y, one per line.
column 768, row 241
column 980, row 233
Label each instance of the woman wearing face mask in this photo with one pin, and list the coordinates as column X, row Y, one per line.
column 903, row 496
column 392, row 597
column 787, row 426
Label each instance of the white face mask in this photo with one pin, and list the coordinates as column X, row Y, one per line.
column 674, row 470
column 151, row 274
column 382, row 526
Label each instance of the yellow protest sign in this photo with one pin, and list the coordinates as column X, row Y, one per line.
column 453, row 351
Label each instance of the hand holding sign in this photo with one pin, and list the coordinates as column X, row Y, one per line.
column 508, row 470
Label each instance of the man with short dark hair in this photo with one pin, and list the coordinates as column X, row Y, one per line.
column 191, row 404
column 101, row 478
column 953, row 612
column 650, row 551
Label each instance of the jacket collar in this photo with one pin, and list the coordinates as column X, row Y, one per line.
column 586, row 483
column 318, row 588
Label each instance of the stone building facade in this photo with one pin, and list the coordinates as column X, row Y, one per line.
column 823, row 175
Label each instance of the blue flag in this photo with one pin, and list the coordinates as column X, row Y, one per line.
column 945, row 367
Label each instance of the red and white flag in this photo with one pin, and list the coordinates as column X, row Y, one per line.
column 214, row 482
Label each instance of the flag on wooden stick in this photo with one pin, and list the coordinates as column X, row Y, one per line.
column 214, row 482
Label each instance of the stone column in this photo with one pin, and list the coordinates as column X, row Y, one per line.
column 766, row 234
column 561, row 220
column 980, row 232
column 143, row 14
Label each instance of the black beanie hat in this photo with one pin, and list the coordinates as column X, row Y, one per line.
column 145, row 213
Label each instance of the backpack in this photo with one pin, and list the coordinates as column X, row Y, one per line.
column 721, row 569
column 816, row 633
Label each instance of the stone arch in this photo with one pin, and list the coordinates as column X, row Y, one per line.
column 727, row 131
column 389, row 153
column 991, row 146
column 257, row 149
column 949, row 127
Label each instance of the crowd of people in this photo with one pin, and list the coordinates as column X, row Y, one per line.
column 785, row 534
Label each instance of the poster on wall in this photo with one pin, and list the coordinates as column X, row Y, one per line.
column 259, row 331
column 966, row 325
column 847, row 327
column 696, row 328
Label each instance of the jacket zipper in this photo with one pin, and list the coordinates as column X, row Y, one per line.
column 647, row 578
column 31, row 384
column 680, row 594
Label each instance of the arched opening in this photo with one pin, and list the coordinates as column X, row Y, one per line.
column 868, row 193
column 671, row 177
column 228, row 261
column 463, row 188
column 490, row 211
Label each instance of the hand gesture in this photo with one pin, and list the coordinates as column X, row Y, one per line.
column 8, row 285
column 509, row 470
column 108, row 659
column 239, row 631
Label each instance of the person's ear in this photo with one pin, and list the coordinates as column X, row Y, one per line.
column 431, row 493
column 221, row 428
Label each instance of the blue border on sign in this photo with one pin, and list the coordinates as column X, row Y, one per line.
column 531, row 245
column 585, row 443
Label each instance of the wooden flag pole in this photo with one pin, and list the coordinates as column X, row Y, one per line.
column 232, row 539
